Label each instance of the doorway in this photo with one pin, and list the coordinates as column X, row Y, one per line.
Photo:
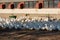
column 12, row 6
column 21, row 6
column 40, row 5
column 3, row 6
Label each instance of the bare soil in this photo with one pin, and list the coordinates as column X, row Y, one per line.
column 30, row 35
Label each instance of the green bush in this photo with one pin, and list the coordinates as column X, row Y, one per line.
column 12, row 16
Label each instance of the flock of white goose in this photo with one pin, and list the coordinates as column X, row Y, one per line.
column 29, row 23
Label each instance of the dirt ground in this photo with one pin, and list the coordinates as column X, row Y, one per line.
column 30, row 35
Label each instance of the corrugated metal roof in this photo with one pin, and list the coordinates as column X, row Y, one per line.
column 15, row 0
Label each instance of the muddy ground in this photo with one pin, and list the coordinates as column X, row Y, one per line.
column 30, row 35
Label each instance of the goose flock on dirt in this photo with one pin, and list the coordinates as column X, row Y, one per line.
column 24, row 23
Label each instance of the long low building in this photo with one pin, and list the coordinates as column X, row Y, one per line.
column 28, row 4
column 31, row 8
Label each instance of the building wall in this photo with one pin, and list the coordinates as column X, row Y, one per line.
column 38, row 16
column 22, row 2
column 18, row 3
column 45, row 3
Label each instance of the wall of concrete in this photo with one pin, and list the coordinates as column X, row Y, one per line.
column 43, row 16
